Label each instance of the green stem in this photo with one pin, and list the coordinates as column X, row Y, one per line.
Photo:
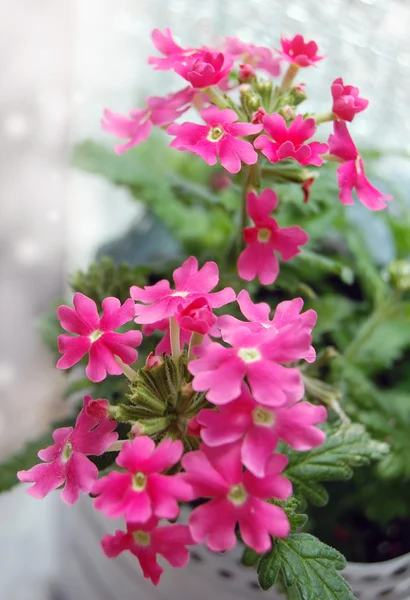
column 174, row 332
column 216, row 98
column 325, row 118
column 196, row 340
column 289, row 77
column 250, row 182
column 126, row 369
column 116, row 446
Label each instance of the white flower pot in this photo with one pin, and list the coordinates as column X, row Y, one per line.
column 88, row 575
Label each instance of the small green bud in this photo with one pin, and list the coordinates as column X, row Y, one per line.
column 398, row 273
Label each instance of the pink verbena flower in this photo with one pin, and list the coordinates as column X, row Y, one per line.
column 258, row 259
column 142, row 492
column 299, row 52
column 257, row 356
column 218, row 138
column 96, row 336
column 164, row 345
column 196, row 316
column 236, row 497
column 258, row 57
column 146, row 541
column 260, row 428
column 287, row 314
column 346, row 100
column 172, row 53
column 66, row 460
column 159, row 112
column 204, row 69
column 290, row 142
column 351, row 173
column 161, row 302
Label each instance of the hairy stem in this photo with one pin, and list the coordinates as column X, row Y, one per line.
column 216, row 98
column 325, row 118
column 174, row 334
column 289, row 77
column 126, row 369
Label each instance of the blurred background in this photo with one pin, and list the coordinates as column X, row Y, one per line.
column 62, row 64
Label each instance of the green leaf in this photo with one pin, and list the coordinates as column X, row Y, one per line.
column 345, row 447
column 323, row 264
column 250, row 558
column 308, row 564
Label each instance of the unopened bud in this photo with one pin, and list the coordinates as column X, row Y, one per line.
column 257, row 116
column 153, row 360
column 287, row 112
column 220, row 181
column 98, row 409
column 186, row 390
column 298, row 93
column 399, row 274
column 246, row 72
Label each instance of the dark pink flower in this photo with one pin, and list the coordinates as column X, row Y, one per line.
column 258, row 356
column 161, row 302
column 172, row 53
column 346, row 100
column 196, row 316
column 159, row 112
column 96, row 335
column 204, row 69
column 219, row 138
column 236, row 497
column 146, row 541
column 258, row 57
column 287, row 315
column 97, row 409
column 66, row 460
column 299, row 52
column 258, row 259
column 260, row 428
column 290, row 142
column 142, row 492
column 351, row 173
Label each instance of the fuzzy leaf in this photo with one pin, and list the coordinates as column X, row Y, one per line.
column 308, row 564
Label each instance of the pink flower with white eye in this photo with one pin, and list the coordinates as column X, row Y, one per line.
column 143, row 492
column 290, row 142
column 196, row 317
column 346, row 100
column 259, row 428
column 287, row 315
column 258, row 259
column 172, row 53
column 164, row 346
column 146, row 541
column 96, row 336
column 66, row 460
column 258, row 356
column 258, row 57
column 159, row 112
column 161, row 302
column 205, row 69
column 219, row 138
column 236, row 497
column 351, row 173
column 298, row 52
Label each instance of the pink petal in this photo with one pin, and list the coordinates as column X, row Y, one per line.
column 81, row 475
column 257, row 447
column 87, row 310
column 214, row 524
column 74, row 348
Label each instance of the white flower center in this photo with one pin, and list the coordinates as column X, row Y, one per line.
column 142, row 538
column 215, row 134
column 139, row 481
column 67, row 452
column 237, row 495
column 249, row 355
column 264, row 235
column 95, row 335
column 180, row 294
column 262, row 416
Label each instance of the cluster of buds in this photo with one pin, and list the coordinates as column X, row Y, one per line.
column 205, row 414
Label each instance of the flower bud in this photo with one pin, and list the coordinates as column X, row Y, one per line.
column 153, row 360
column 399, row 274
column 196, row 316
column 220, row 181
column 287, row 112
column 298, row 93
column 98, row 409
column 258, row 115
column 246, row 72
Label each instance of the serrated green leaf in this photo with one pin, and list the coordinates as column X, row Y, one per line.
column 345, row 447
column 308, row 564
column 250, row 558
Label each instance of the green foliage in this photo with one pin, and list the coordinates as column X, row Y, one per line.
column 309, row 565
column 345, row 447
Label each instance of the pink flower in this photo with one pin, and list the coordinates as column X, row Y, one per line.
column 287, row 315
column 96, row 336
column 173, row 54
column 196, row 316
column 190, row 283
column 289, row 142
column 159, row 112
column 261, row 427
column 351, row 173
column 237, row 497
column 143, row 492
column 218, row 138
column 164, row 346
column 259, row 357
column 147, row 540
column 299, row 52
column 66, row 461
column 258, row 259
column 97, row 409
column 258, row 57
column 205, row 69
column 346, row 100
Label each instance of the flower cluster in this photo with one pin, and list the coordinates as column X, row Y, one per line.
column 206, row 413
